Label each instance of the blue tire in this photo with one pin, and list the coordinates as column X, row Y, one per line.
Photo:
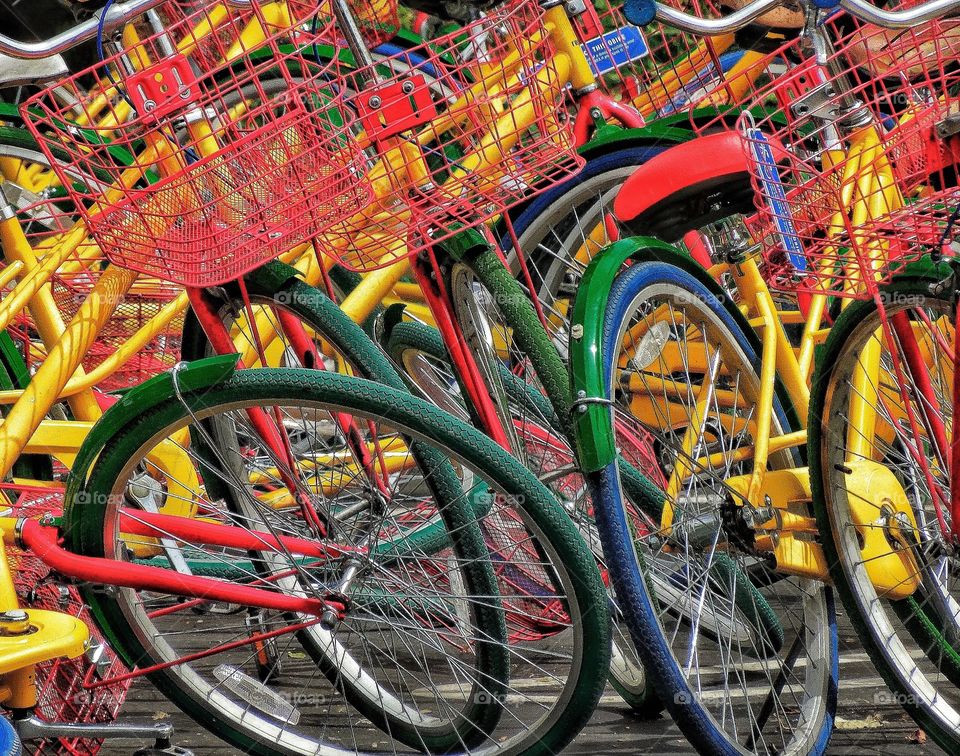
column 543, row 227
column 10, row 744
column 641, row 569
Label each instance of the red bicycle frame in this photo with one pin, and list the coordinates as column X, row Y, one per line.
column 43, row 541
column 899, row 331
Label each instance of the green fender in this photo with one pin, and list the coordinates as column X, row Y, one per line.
column 194, row 376
column 611, row 137
column 9, row 112
column 267, row 279
column 592, row 419
column 674, row 128
column 593, row 422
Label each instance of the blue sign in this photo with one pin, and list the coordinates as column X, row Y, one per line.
column 614, row 49
column 776, row 197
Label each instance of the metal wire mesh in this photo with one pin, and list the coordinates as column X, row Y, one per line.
column 459, row 130
column 213, row 152
column 144, row 303
column 46, row 217
column 663, row 72
column 849, row 190
column 69, row 690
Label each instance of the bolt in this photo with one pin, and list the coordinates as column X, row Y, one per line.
column 14, row 622
column 754, row 517
column 375, row 101
column 329, row 619
column 407, row 87
column 577, row 331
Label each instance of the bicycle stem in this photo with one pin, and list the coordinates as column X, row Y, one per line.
column 353, row 37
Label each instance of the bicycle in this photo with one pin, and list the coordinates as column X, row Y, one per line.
column 732, row 442
column 549, row 728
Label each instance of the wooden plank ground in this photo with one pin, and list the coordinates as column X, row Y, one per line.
column 864, row 726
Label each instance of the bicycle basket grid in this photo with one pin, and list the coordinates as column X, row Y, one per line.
column 662, row 71
column 457, row 131
column 202, row 171
column 842, row 221
column 87, row 689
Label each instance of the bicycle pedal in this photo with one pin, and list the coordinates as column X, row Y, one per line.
column 170, row 750
column 161, row 746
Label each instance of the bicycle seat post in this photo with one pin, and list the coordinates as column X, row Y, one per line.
column 164, row 42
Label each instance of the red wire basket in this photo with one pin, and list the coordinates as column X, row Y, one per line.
column 378, row 20
column 459, row 130
column 841, row 211
column 211, row 158
column 46, row 217
column 144, row 303
column 69, row 690
column 663, row 72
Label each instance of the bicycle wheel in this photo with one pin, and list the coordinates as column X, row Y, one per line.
column 340, row 345
column 562, row 229
column 742, row 666
column 486, row 308
column 282, row 309
column 880, row 488
column 419, row 351
column 421, row 627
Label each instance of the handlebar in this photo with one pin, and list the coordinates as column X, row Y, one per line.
column 639, row 12
column 117, row 14
column 643, row 12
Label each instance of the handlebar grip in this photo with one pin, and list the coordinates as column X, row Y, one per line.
column 640, row 12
